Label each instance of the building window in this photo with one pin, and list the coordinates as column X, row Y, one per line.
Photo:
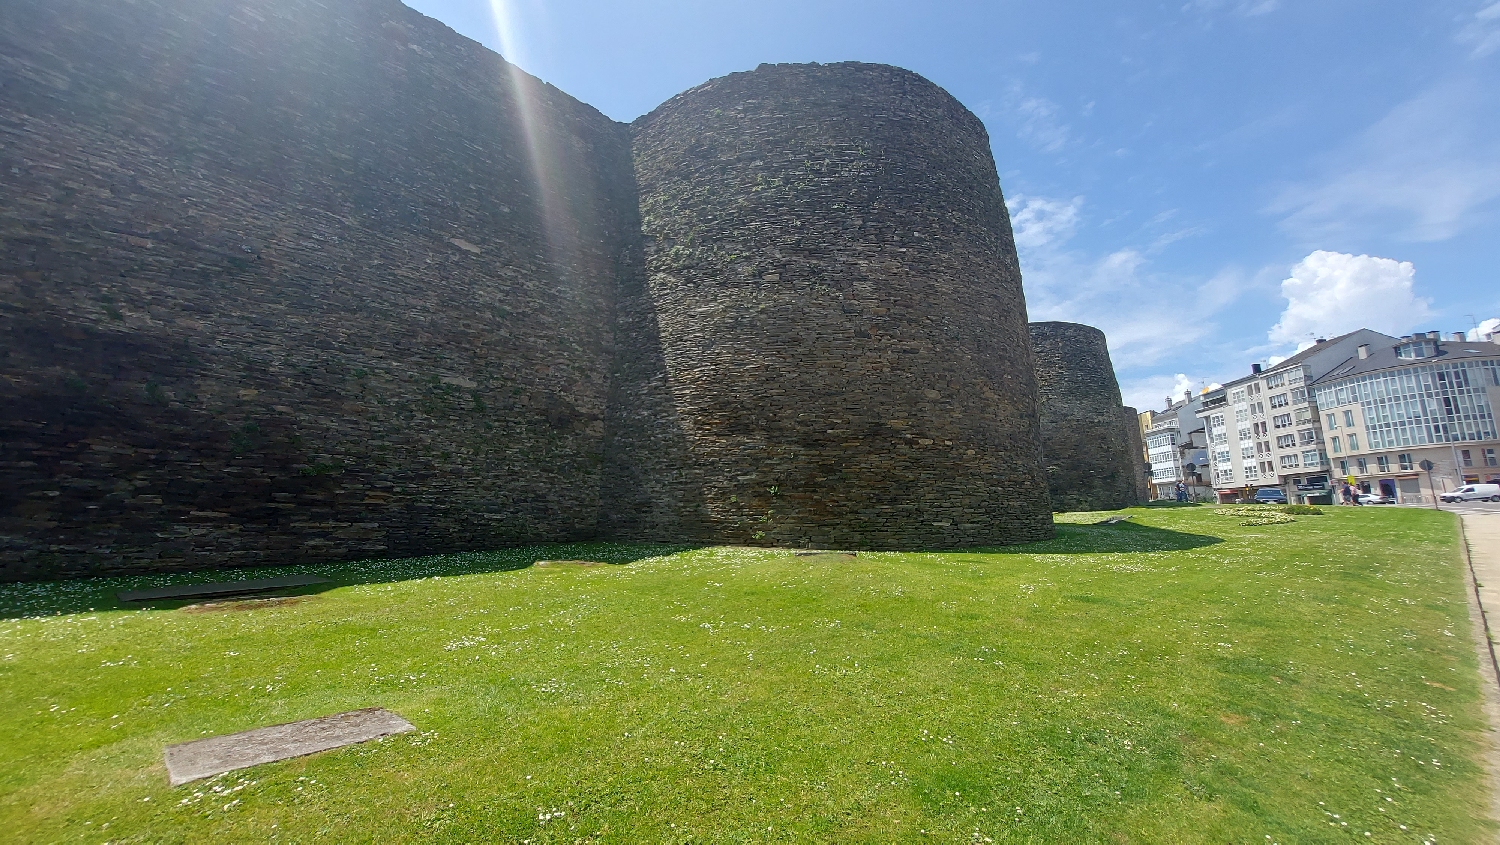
column 1306, row 436
column 1489, row 458
column 1354, row 442
column 1467, row 458
column 1311, row 458
column 1286, row 441
column 1349, row 420
column 1344, row 468
column 1361, row 466
column 1276, row 381
column 1282, row 421
column 1299, row 395
column 1337, row 448
column 1384, row 463
column 1288, row 461
column 1405, row 460
column 1333, row 421
column 1237, row 396
column 1279, row 401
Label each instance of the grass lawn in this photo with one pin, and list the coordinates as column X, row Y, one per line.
column 1176, row 678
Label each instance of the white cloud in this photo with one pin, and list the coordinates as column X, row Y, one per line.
column 1036, row 120
column 1483, row 31
column 1330, row 293
column 1155, row 320
column 1149, row 393
column 1042, row 223
column 1488, row 327
column 1141, row 311
column 1427, row 171
column 1247, row 8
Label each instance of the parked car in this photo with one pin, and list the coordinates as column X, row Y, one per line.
column 1375, row 499
column 1473, row 493
column 1270, row 496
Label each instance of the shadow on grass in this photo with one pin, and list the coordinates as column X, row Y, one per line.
column 49, row 598
column 80, row 595
column 1117, row 538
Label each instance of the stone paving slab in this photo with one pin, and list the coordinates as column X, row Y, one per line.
column 221, row 588
column 216, row 755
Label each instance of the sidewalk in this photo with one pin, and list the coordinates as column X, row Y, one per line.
column 1482, row 537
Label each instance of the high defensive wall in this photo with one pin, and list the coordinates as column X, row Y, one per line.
column 286, row 282
column 1086, row 443
column 831, row 266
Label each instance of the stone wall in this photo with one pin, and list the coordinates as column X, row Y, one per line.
column 835, row 289
column 1086, row 446
column 1137, row 466
column 284, row 281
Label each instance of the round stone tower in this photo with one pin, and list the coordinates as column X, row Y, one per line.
column 1137, row 457
column 835, row 293
column 1086, row 443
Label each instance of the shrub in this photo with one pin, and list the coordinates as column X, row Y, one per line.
column 1303, row 509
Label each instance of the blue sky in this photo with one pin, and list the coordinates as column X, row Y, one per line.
column 1212, row 182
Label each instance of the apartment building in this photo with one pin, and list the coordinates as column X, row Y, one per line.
column 1177, row 449
column 1393, row 405
column 1264, row 430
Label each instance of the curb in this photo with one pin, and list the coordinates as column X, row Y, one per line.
column 1484, row 617
column 1489, row 677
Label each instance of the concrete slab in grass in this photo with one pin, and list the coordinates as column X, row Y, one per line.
column 221, row 588
column 216, row 755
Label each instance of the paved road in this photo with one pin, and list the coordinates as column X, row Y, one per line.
column 1472, row 507
column 1453, row 507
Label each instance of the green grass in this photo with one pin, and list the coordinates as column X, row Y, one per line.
column 1176, row 678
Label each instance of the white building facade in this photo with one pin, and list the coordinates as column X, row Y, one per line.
column 1420, row 399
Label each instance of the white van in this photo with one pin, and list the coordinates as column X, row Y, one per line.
column 1473, row 492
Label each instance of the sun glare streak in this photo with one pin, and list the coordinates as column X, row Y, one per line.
column 541, row 149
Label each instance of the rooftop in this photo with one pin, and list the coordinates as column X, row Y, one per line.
column 1384, row 357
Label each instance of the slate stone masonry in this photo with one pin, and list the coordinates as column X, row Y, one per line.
column 840, row 313
column 281, row 282
column 288, row 282
column 1087, row 448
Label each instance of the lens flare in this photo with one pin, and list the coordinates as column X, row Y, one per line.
column 542, row 149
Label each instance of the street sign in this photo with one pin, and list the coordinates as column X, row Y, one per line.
column 1426, row 466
